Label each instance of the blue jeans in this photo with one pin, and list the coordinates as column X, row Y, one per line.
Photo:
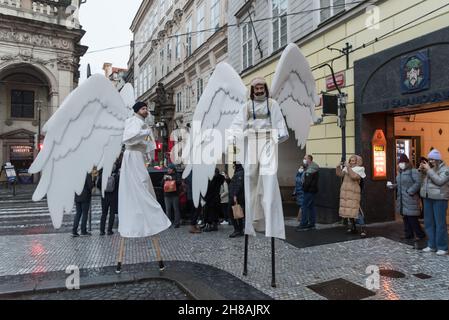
column 308, row 216
column 435, row 223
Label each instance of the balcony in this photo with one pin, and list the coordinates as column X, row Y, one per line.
column 61, row 12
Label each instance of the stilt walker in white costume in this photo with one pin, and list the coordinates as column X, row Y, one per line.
column 87, row 130
column 140, row 215
column 224, row 115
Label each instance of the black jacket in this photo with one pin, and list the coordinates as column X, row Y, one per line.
column 86, row 194
column 116, row 174
column 213, row 190
column 237, row 187
column 310, row 184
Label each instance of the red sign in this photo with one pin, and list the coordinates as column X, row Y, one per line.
column 339, row 78
column 379, row 145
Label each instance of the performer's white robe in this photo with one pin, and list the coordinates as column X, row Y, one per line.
column 263, row 203
column 140, row 215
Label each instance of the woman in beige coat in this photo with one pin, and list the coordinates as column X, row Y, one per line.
column 352, row 172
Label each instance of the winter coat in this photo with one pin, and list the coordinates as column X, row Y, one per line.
column 224, row 193
column 350, row 192
column 86, row 194
column 236, row 188
column 310, row 178
column 299, row 192
column 212, row 196
column 435, row 183
column 174, row 176
column 408, row 185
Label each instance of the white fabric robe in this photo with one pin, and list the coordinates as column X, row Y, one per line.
column 140, row 215
column 263, row 203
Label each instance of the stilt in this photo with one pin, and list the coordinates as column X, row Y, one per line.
column 155, row 241
column 245, row 261
column 120, row 255
column 273, row 262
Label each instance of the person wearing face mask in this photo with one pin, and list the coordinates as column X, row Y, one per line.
column 309, row 179
column 408, row 184
column 299, row 192
column 435, row 192
column 352, row 173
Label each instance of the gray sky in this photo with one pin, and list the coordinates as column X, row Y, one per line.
column 107, row 24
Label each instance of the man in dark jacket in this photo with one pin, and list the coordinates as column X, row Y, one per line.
column 82, row 202
column 109, row 203
column 212, row 199
column 310, row 188
column 171, row 184
column 237, row 196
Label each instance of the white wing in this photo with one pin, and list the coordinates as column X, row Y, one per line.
column 85, row 131
column 127, row 94
column 221, row 101
column 294, row 89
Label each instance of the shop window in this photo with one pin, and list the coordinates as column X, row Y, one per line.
column 22, row 104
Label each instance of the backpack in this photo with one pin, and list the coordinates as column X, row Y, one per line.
column 110, row 186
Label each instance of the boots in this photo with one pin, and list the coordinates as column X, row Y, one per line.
column 194, row 229
column 211, row 227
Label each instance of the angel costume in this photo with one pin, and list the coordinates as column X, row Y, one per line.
column 264, row 127
column 140, row 214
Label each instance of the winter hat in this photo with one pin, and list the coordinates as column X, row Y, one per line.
column 403, row 159
column 434, row 155
column 171, row 166
column 258, row 80
column 139, row 105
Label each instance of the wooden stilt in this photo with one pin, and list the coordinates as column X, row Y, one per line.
column 120, row 255
column 273, row 263
column 155, row 241
column 245, row 261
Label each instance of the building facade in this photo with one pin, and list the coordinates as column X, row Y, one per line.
column 394, row 76
column 176, row 46
column 39, row 66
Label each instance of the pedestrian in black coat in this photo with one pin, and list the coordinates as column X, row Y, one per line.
column 237, row 196
column 82, row 203
column 213, row 205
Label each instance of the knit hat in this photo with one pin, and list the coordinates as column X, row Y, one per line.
column 403, row 159
column 139, row 105
column 434, row 155
column 171, row 166
column 258, row 80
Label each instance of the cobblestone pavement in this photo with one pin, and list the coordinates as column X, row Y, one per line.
column 295, row 268
column 145, row 290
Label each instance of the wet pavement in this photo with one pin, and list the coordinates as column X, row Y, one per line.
column 322, row 264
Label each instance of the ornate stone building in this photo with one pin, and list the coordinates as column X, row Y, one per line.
column 39, row 66
column 176, row 47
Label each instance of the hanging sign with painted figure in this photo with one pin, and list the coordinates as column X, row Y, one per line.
column 379, row 145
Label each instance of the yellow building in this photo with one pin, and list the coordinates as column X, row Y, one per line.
column 386, row 39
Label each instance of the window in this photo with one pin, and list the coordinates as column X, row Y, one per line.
column 200, row 25
column 215, row 17
column 141, row 83
column 179, row 102
column 330, row 8
column 145, row 79
column 161, row 61
column 279, row 24
column 247, row 41
column 22, row 104
column 168, row 56
column 199, row 89
column 150, row 76
column 188, row 97
column 189, row 37
column 177, row 47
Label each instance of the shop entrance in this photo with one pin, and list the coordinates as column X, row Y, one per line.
column 416, row 134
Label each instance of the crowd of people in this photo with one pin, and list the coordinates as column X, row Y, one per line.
column 422, row 191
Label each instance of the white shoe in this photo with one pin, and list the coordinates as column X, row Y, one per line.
column 441, row 253
column 428, row 249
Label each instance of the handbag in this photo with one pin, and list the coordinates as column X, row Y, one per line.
column 170, row 186
column 237, row 211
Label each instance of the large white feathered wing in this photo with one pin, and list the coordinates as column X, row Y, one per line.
column 85, row 131
column 222, row 99
column 127, row 94
column 294, row 89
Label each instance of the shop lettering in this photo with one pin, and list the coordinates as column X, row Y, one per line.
column 433, row 97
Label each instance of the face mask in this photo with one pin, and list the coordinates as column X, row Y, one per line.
column 402, row 165
column 301, row 170
column 305, row 162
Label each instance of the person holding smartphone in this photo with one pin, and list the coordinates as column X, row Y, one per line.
column 435, row 192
